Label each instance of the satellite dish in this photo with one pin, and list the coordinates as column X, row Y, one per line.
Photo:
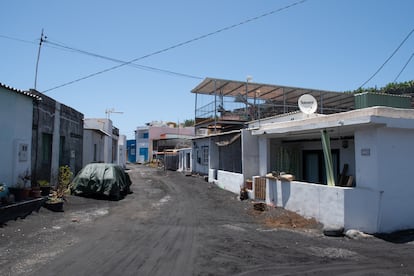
column 307, row 104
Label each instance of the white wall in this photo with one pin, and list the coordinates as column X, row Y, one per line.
column 122, row 150
column 366, row 158
column 198, row 166
column 264, row 155
column 361, row 209
column 351, row 208
column 384, row 157
column 250, row 154
column 16, row 113
column 105, row 126
column 325, row 204
column 182, row 160
column 229, row 181
column 395, row 174
column 90, row 139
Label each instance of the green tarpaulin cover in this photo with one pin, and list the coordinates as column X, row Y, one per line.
column 101, row 179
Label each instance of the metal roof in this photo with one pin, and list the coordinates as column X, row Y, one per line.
column 275, row 93
column 25, row 93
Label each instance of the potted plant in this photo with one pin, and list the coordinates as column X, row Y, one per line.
column 45, row 187
column 35, row 192
column 22, row 190
column 56, row 198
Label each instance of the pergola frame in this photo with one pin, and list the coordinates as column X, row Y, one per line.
column 281, row 99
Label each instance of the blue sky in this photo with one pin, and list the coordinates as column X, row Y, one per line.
column 322, row 44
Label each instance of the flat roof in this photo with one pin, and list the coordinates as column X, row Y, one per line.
column 345, row 122
column 276, row 93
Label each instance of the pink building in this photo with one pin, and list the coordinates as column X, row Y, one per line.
column 157, row 136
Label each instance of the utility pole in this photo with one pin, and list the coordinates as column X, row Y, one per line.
column 42, row 39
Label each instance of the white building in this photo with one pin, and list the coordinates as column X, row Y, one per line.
column 100, row 141
column 142, row 144
column 16, row 113
column 122, row 151
column 371, row 147
column 185, row 160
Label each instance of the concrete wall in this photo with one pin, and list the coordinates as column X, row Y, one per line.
column 326, row 204
column 122, row 151
column 105, row 127
column 250, row 154
column 197, row 149
column 16, row 111
column 396, row 177
column 182, row 160
column 64, row 127
column 361, row 209
column 228, row 181
column 384, row 158
column 71, row 127
column 90, row 139
column 351, row 208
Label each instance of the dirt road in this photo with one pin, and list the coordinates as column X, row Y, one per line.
column 181, row 225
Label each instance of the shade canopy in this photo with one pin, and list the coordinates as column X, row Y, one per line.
column 277, row 94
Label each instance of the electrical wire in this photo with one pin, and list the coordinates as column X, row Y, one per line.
column 18, row 39
column 142, row 67
column 178, row 45
column 388, row 59
column 405, row 65
column 61, row 47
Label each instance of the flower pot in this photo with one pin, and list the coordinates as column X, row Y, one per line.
column 54, row 206
column 35, row 193
column 45, row 190
column 20, row 194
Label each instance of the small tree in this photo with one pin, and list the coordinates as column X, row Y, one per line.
column 65, row 177
column 188, row 123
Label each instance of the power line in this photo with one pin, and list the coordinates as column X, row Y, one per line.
column 388, row 59
column 142, row 67
column 58, row 46
column 405, row 65
column 179, row 44
column 18, row 39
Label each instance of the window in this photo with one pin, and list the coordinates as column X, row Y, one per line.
column 46, row 148
column 314, row 166
column 204, row 158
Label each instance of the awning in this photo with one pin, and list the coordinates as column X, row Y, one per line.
column 275, row 93
column 228, row 141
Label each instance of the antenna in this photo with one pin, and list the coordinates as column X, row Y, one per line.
column 108, row 112
column 42, row 39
